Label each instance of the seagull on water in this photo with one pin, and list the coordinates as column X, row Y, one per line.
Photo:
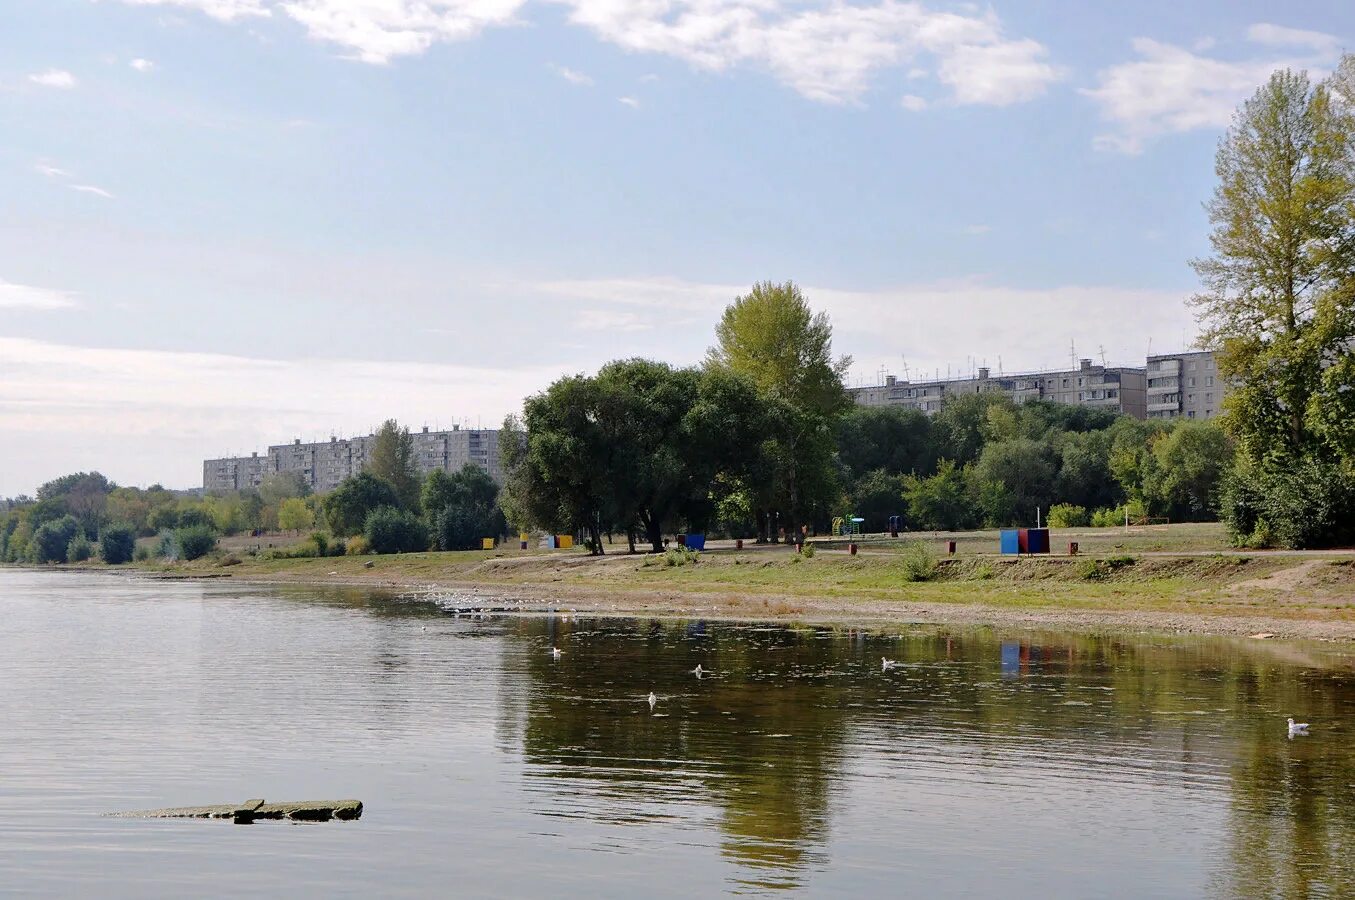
column 652, row 699
column 698, row 671
column 887, row 664
column 555, row 652
column 1297, row 728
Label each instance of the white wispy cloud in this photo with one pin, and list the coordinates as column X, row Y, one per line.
column 937, row 323
column 50, row 171
column 24, row 296
column 91, row 189
column 572, row 76
column 142, row 65
column 913, row 103
column 223, row 10
column 1170, row 89
column 158, row 414
column 611, row 320
column 632, row 102
column 826, row 50
column 54, row 78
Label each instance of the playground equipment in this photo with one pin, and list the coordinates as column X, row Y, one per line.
column 844, row 526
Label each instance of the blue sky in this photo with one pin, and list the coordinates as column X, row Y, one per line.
column 225, row 223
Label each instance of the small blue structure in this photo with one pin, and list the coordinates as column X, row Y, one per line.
column 1010, row 542
column 1037, row 540
column 695, row 541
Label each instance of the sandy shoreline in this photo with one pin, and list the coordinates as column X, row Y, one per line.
column 609, row 601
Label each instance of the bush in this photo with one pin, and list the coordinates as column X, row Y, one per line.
column 807, row 551
column 1107, row 518
column 166, row 548
column 321, row 542
column 79, row 549
column 392, row 530
column 195, row 541
column 141, row 554
column 680, row 556
column 918, row 562
column 117, row 544
column 1305, row 506
column 52, row 538
column 357, row 546
column 1066, row 515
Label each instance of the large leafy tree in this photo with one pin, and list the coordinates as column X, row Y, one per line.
column 893, row 439
column 1278, row 288
column 461, row 507
column 348, row 505
column 771, row 335
column 392, row 460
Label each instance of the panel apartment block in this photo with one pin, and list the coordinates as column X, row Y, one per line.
column 1122, row 389
column 325, row 464
column 1184, row 385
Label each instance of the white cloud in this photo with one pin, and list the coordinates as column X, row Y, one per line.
column 50, row 171
column 1171, row 89
column 142, row 65
column 912, row 102
column 1280, row 36
column 23, row 296
column 977, row 229
column 632, row 102
column 572, row 76
column 827, row 50
column 91, row 189
column 54, row 78
column 934, row 324
column 224, row 10
column 149, row 415
column 611, row 320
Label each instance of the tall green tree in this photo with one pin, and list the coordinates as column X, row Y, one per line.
column 771, row 335
column 894, row 439
column 461, row 508
column 392, row 460
column 349, row 504
column 1278, row 287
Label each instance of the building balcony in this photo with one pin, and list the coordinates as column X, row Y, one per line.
column 1163, row 405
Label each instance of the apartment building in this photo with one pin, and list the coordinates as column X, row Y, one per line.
column 1119, row 388
column 325, row 464
column 1184, row 386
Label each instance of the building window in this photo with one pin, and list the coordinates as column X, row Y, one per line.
column 1190, row 414
column 1209, row 381
column 1191, row 383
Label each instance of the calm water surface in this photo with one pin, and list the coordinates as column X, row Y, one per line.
column 1004, row 764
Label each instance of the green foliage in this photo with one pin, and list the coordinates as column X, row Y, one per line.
column 1191, row 461
column 117, row 544
column 918, row 562
column 348, row 506
column 1309, row 505
column 141, row 554
column 1066, row 515
column 876, row 497
column 895, row 440
column 390, row 529
column 51, row 539
column 461, row 509
column 357, row 546
column 808, row 551
column 1012, row 479
column 79, row 549
column 772, row 336
column 392, row 460
column 194, row 541
column 939, row 502
column 295, row 515
column 680, row 556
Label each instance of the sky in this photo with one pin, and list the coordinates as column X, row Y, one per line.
column 229, row 223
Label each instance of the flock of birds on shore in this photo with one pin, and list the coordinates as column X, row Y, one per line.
column 886, row 665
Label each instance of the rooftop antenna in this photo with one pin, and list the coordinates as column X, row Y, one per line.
column 1072, row 353
column 906, row 377
column 999, row 365
column 1150, row 346
column 1103, row 356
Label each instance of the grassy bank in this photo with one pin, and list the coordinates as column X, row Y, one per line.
column 1165, row 587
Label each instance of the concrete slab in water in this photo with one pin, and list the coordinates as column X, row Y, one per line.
column 250, row 810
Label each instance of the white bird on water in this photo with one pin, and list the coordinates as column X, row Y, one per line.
column 556, row 652
column 698, row 671
column 887, row 664
column 1297, row 728
column 652, row 699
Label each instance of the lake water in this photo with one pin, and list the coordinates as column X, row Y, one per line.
column 1012, row 765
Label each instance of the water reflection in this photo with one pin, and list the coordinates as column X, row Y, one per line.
column 984, row 763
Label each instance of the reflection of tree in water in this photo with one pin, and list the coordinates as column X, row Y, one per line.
column 1292, row 818
column 760, row 739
